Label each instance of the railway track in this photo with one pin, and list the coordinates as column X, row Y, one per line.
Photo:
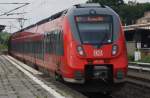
column 139, row 73
column 137, row 85
column 145, row 67
column 137, row 82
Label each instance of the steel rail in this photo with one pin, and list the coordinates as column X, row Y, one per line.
column 139, row 66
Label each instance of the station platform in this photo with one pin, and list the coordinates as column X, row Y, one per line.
column 15, row 84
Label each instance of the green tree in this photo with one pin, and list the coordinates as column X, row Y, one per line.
column 112, row 3
column 129, row 13
column 4, row 37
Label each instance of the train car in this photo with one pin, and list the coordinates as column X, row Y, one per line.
column 81, row 44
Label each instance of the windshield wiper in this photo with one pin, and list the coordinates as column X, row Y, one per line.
column 106, row 37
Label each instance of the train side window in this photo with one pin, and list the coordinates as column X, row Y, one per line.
column 55, row 42
column 58, row 42
column 39, row 49
column 36, row 49
column 31, row 48
column 61, row 43
column 42, row 49
column 26, row 47
column 52, row 42
column 49, row 43
column 46, row 42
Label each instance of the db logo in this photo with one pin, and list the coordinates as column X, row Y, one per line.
column 98, row 53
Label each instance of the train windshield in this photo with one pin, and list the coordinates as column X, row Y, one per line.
column 95, row 29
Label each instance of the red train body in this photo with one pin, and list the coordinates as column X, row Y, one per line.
column 83, row 43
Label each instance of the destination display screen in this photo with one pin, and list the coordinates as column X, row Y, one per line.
column 92, row 18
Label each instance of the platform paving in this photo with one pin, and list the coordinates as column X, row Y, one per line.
column 15, row 84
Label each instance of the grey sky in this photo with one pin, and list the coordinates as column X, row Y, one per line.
column 37, row 10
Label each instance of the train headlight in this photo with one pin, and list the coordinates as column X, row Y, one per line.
column 114, row 49
column 80, row 50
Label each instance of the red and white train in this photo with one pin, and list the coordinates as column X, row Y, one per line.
column 83, row 43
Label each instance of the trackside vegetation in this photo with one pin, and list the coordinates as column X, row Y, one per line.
column 4, row 37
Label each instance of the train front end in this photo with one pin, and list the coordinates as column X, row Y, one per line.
column 94, row 45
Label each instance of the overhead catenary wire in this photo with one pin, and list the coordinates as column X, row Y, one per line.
column 16, row 13
column 5, row 13
column 15, row 3
column 12, row 12
column 14, row 18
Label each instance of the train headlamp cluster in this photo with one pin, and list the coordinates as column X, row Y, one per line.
column 80, row 50
column 114, row 49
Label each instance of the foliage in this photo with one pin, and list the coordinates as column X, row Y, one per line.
column 3, row 47
column 129, row 13
column 145, row 59
column 4, row 37
column 108, row 2
column 130, row 58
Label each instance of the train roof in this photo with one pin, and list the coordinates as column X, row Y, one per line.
column 55, row 16
column 59, row 14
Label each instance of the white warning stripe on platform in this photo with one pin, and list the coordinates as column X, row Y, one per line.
column 42, row 84
column 30, row 69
